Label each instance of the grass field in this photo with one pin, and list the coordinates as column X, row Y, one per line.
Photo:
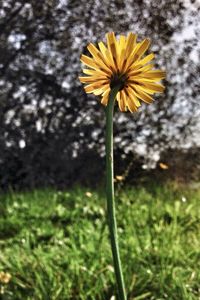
column 55, row 244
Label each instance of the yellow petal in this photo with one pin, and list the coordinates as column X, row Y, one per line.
column 121, row 102
column 142, row 88
column 142, row 49
column 98, row 57
column 104, row 99
column 145, row 60
column 113, row 45
column 155, row 74
column 156, row 87
column 141, row 94
column 121, row 51
column 94, row 86
column 93, row 50
column 101, row 90
column 131, row 40
column 123, row 98
column 129, row 60
column 89, row 62
column 142, row 78
column 95, row 72
column 129, row 102
column 106, row 56
column 133, row 96
column 137, row 53
column 133, row 71
column 111, row 48
column 92, row 78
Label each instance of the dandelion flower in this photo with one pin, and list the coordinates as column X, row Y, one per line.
column 5, row 277
column 88, row 194
column 121, row 63
column 119, row 178
column 163, row 166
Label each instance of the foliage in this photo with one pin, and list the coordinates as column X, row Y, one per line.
column 183, row 166
column 55, row 244
column 47, row 121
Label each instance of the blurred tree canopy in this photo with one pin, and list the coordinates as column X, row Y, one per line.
column 51, row 132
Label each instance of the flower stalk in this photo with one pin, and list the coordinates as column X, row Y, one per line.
column 110, row 193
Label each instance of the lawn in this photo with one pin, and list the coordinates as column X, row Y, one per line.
column 55, row 244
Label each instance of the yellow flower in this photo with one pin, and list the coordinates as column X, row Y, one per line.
column 119, row 178
column 122, row 64
column 88, row 194
column 4, row 277
column 163, row 166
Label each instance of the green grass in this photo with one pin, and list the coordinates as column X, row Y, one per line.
column 55, row 244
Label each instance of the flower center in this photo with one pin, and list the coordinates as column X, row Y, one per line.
column 118, row 79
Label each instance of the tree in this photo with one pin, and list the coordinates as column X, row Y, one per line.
column 47, row 123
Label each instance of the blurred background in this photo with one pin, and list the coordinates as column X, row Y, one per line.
column 50, row 130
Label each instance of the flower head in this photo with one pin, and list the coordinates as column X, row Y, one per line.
column 122, row 64
column 163, row 166
column 5, row 277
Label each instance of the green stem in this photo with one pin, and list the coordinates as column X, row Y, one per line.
column 110, row 194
